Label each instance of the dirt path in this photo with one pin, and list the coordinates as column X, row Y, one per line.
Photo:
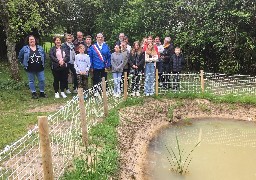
column 139, row 124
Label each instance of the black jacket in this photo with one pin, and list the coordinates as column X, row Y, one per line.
column 167, row 53
column 137, row 60
column 177, row 63
column 54, row 61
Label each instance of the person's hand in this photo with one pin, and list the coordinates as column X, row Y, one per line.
column 136, row 67
column 133, row 66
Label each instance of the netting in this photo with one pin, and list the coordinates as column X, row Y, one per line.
column 22, row 159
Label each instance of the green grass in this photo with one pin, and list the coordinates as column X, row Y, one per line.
column 15, row 102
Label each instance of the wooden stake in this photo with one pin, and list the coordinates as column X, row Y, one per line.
column 105, row 100
column 157, row 82
column 45, row 147
column 125, row 85
column 83, row 116
column 202, row 80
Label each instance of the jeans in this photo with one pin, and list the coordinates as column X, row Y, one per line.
column 149, row 78
column 136, row 83
column 41, row 80
column 117, row 80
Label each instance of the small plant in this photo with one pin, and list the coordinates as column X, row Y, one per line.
column 180, row 160
column 204, row 108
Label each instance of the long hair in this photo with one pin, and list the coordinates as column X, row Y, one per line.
column 151, row 51
column 134, row 50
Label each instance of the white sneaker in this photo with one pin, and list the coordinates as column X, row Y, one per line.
column 138, row 94
column 63, row 94
column 57, row 95
column 68, row 91
column 147, row 94
column 133, row 94
column 75, row 91
column 118, row 95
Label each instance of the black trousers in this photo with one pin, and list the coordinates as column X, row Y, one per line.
column 176, row 80
column 60, row 78
column 98, row 74
column 166, row 78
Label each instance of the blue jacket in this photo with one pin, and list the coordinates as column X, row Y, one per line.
column 96, row 62
column 24, row 55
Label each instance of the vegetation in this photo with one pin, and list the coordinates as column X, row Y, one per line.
column 180, row 160
column 217, row 36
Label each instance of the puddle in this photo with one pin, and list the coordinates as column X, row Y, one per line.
column 227, row 151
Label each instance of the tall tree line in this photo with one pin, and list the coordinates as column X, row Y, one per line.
column 218, row 36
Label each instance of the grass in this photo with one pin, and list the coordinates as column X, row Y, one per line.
column 15, row 102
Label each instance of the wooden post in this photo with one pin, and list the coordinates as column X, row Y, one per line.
column 83, row 116
column 105, row 100
column 157, row 81
column 202, row 80
column 125, row 85
column 45, row 147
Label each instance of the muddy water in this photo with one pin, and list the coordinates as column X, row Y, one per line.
column 227, row 151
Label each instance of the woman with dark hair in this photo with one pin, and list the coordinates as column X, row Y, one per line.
column 59, row 59
column 32, row 58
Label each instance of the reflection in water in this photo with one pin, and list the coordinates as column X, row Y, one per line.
column 227, row 151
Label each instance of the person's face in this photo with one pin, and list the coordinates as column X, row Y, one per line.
column 121, row 37
column 31, row 41
column 117, row 49
column 123, row 44
column 150, row 40
column 100, row 39
column 177, row 51
column 157, row 40
column 136, row 46
column 69, row 39
column 57, row 41
column 79, row 36
column 88, row 41
column 81, row 50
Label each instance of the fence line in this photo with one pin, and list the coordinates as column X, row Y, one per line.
column 22, row 159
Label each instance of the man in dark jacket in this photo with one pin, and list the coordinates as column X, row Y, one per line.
column 166, row 59
column 177, row 62
column 78, row 41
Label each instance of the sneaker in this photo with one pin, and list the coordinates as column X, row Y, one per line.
column 75, row 91
column 68, row 91
column 138, row 94
column 43, row 95
column 63, row 94
column 151, row 94
column 34, row 95
column 96, row 94
column 147, row 94
column 57, row 95
column 118, row 95
column 133, row 94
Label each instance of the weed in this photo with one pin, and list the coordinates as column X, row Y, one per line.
column 180, row 160
column 204, row 108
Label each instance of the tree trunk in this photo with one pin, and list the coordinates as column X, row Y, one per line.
column 12, row 59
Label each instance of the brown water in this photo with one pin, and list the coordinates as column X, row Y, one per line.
column 227, row 151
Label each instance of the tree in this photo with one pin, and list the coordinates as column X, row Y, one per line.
column 19, row 17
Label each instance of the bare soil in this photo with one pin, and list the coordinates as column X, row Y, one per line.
column 139, row 124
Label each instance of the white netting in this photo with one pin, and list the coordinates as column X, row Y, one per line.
column 22, row 159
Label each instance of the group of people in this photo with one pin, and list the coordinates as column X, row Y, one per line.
column 84, row 59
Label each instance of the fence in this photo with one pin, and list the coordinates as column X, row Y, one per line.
column 68, row 127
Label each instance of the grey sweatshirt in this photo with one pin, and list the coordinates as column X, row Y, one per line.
column 118, row 61
column 82, row 63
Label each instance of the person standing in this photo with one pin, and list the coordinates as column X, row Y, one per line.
column 159, row 64
column 88, row 43
column 78, row 41
column 70, row 48
column 166, row 58
column 118, row 60
column 151, row 57
column 128, row 47
column 177, row 63
column 100, row 60
column 59, row 59
column 137, row 64
column 32, row 58
column 82, row 65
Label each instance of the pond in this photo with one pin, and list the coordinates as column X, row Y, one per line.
column 227, row 151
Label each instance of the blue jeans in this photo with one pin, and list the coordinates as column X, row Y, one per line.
column 41, row 80
column 149, row 78
column 117, row 80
